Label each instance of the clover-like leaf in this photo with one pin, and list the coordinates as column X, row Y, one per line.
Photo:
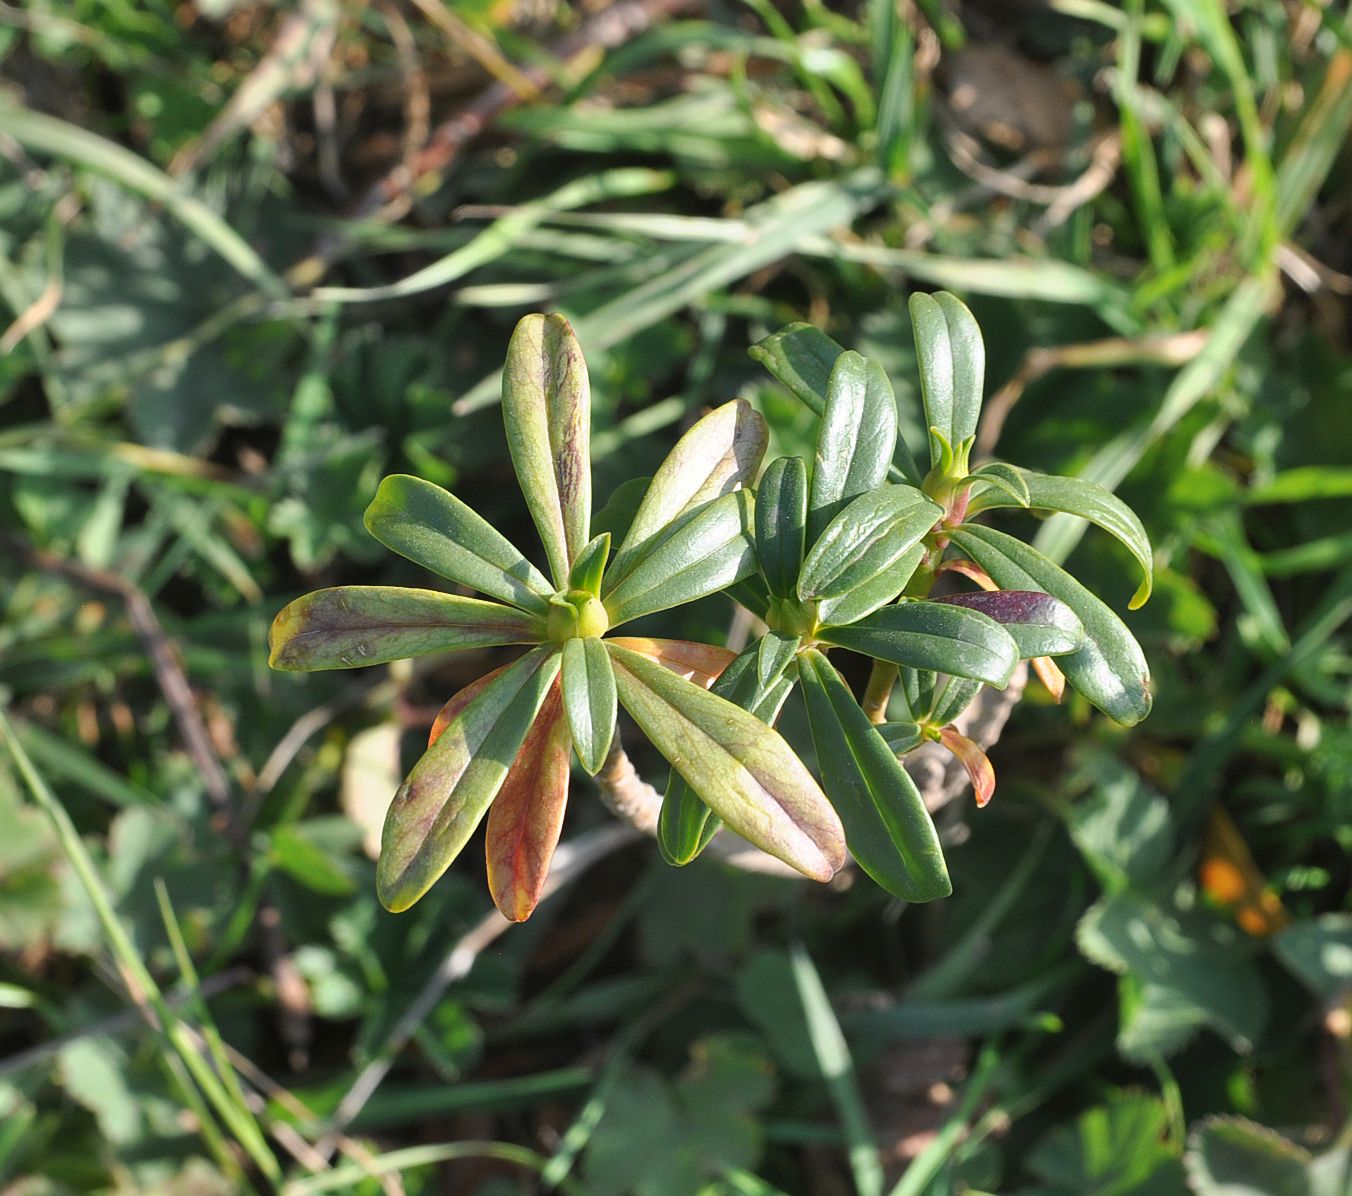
column 739, row 766
column 719, row 454
column 855, row 441
column 781, row 523
column 702, row 553
column 1088, row 500
column 589, row 700
column 434, row 529
column 952, row 361
column 865, row 556
column 889, row 831
column 934, row 636
column 1040, row 624
column 449, row 790
column 526, row 817
column 546, row 410
column 1109, row 668
column 353, row 626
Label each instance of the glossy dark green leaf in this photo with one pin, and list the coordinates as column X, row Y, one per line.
column 952, row 360
column 546, row 410
column 449, row 790
column 1110, row 669
column 934, row 636
column 590, row 565
column 774, row 654
column 1007, row 478
column 353, row 626
column 900, row 737
column 855, row 441
column 754, row 681
column 700, row 554
column 434, row 529
column 717, row 456
column 751, row 593
column 800, row 357
column 917, row 691
column 953, row 699
column 1040, row 624
column 781, row 523
column 589, row 700
column 889, row 831
column 739, row 766
column 867, row 547
column 1088, row 500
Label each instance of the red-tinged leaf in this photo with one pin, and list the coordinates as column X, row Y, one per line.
column 1051, row 676
column 974, row 760
column 700, row 663
column 458, row 701
column 970, row 570
column 526, row 817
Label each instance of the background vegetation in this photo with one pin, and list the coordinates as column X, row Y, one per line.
column 256, row 256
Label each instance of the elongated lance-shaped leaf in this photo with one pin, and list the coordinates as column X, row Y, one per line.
column 719, row 454
column 917, row 690
column 590, row 565
column 934, row 636
column 1110, row 668
column 350, row 626
column 434, row 529
column 952, row 361
column 867, row 597
column 752, row 594
column 701, row 663
column 449, row 790
column 701, row 554
column 1088, row 500
column 781, row 523
column 901, row 737
column 1008, row 478
column 801, row 358
column 526, row 817
column 953, row 699
column 589, row 700
column 855, row 441
column 1040, row 624
column 546, row 409
column 889, row 831
column 755, row 682
column 974, row 760
column 741, row 768
column 868, row 546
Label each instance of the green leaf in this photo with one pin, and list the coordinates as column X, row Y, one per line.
column 589, row 700
column 952, row 361
column 1110, row 669
column 719, row 455
column 1319, row 953
column 751, row 593
column 1088, row 500
column 1007, row 478
column 934, row 636
column 434, row 529
column 302, row 858
column 754, row 681
column 855, row 441
column 741, row 768
column 1040, row 624
column 781, row 523
column 900, row 737
column 952, row 700
column 887, row 827
column 864, row 558
column 590, row 565
column 800, row 357
column 1115, row 1149
column 449, row 790
column 1231, row 1156
column 701, row 554
column 617, row 516
column 546, row 410
column 353, row 626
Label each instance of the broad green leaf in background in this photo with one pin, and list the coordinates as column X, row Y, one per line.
column 740, row 767
column 719, row 454
column 781, row 523
column 351, row 626
column 1120, row 825
column 706, row 551
column 1232, row 1156
column 1319, row 952
column 526, row 817
column 449, row 790
column 889, row 831
column 1076, row 496
column 1110, row 669
column 952, row 360
column 434, row 529
column 589, row 700
column 1040, row 624
column 934, row 636
column 1113, row 1149
column 855, row 440
column 546, row 409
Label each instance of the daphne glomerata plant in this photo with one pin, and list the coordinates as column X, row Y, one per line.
column 837, row 554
